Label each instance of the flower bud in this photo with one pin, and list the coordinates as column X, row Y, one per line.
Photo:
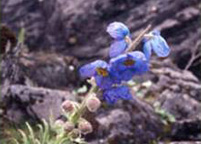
column 75, row 133
column 59, row 123
column 85, row 127
column 68, row 126
column 93, row 103
column 67, row 106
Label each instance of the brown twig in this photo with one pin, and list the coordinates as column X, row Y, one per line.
column 194, row 56
column 134, row 44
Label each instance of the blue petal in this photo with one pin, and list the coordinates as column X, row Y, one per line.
column 137, row 55
column 126, row 72
column 117, row 47
column 104, row 82
column 109, row 97
column 89, row 70
column 161, row 47
column 141, row 64
column 115, row 93
column 156, row 32
column 118, row 30
column 126, row 75
column 147, row 50
column 124, row 93
column 119, row 70
column 117, row 62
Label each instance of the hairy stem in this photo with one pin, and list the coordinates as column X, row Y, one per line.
column 82, row 108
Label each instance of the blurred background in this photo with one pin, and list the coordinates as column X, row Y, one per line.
column 62, row 35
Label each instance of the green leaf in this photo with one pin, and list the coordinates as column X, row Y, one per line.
column 63, row 140
column 24, row 137
column 82, row 89
column 15, row 141
column 46, row 132
column 21, row 36
column 41, row 131
column 31, row 133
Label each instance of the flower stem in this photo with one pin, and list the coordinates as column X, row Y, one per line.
column 82, row 108
column 134, row 44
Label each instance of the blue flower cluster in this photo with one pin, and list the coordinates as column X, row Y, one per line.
column 123, row 66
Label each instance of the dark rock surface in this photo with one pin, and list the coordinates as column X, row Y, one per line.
column 51, row 70
column 182, row 142
column 78, row 27
column 63, row 34
column 179, row 93
column 137, row 123
column 24, row 102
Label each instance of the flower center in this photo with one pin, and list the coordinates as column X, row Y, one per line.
column 129, row 62
column 102, row 71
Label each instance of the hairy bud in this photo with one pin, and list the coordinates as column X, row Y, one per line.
column 85, row 127
column 59, row 123
column 68, row 126
column 75, row 133
column 67, row 106
column 93, row 103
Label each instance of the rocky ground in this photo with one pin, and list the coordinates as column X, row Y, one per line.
column 62, row 35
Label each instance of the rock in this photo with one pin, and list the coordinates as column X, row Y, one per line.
column 137, row 123
column 7, row 36
column 182, row 142
column 50, row 70
column 32, row 103
column 70, row 27
column 180, row 105
column 116, row 124
column 176, row 81
column 188, row 129
column 178, row 93
column 77, row 28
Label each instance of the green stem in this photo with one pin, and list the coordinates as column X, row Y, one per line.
column 82, row 108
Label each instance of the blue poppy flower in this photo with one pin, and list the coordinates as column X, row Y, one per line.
column 112, row 95
column 118, row 30
column 125, row 66
column 121, row 34
column 157, row 44
column 100, row 70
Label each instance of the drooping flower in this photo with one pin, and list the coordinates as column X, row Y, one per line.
column 121, row 35
column 125, row 66
column 120, row 92
column 118, row 30
column 157, row 44
column 100, row 70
